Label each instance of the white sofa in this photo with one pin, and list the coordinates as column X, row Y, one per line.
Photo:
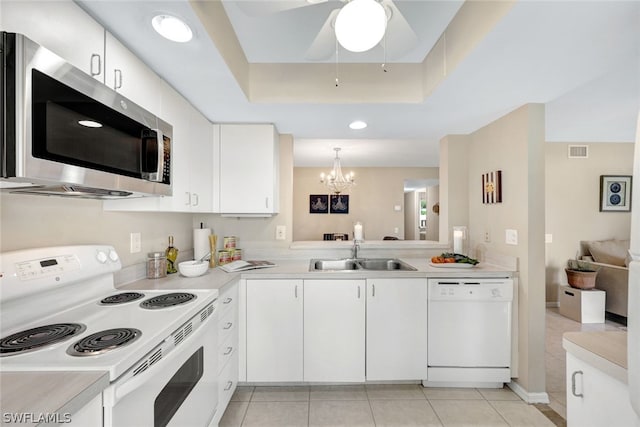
column 611, row 258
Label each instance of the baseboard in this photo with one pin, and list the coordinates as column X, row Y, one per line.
column 541, row 397
column 553, row 304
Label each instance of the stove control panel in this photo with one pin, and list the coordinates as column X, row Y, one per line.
column 37, row 269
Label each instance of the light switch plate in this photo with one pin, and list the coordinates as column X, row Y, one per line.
column 281, row 232
column 135, row 241
column 548, row 238
column 511, row 237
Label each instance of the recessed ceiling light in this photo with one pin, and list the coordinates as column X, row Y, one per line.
column 89, row 123
column 357, row 125
column 172, row 28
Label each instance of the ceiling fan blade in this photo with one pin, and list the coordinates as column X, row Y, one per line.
column 399, row 36
column 324, row 45
column 268, row 7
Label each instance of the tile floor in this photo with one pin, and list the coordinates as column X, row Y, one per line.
column 379, row 405
column 411, row 404
column 555, row 364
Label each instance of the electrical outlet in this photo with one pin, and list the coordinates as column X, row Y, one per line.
column 548, row 238
column 487, row 236
column 396, row 230
column 135, row 243
column 281, row 232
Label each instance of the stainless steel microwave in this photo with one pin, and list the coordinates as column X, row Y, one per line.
column 65, row 133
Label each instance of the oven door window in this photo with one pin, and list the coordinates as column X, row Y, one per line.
column 178, row 388
column 70, row 127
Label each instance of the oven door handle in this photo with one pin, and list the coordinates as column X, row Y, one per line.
column 169, row 353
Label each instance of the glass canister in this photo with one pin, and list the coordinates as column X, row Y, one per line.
column 156, row 265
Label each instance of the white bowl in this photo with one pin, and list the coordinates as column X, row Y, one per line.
column 193, row 268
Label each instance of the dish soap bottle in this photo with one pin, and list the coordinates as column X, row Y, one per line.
column 172, row 256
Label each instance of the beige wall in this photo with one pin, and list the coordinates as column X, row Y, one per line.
column 371, row 202
column 38, row 221
column 515, row 145
column 572, row 204
column 433, row 219
column 411, row 200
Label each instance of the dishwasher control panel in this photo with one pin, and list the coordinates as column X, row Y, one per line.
column 471, row 289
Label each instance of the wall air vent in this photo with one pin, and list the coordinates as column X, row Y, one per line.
column 578, row 151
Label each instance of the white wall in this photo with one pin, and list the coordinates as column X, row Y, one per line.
column 572, row 194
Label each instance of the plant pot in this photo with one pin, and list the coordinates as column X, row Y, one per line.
column 581, row 279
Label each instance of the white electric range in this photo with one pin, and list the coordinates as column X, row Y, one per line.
column 60, row 311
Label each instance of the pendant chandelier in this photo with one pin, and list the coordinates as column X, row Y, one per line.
column 335, row 180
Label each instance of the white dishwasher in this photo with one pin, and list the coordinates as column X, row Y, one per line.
column 469, row 332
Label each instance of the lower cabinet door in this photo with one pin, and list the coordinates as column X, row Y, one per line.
column 396, row 329
column 334, row 330
column 274, row 330
column 596, row 399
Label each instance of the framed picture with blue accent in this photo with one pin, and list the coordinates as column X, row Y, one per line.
column 615, row 193
column 339, row 204
column 318, row 203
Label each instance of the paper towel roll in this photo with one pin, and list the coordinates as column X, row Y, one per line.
column 201, row 242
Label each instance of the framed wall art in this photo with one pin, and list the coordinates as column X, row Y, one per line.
column 318, row 203
column 339, row 204
column 492, row 187
column 615, row 193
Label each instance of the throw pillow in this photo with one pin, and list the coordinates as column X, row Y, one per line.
column 612, row 252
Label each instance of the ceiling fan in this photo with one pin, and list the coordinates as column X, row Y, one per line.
column 398, row 37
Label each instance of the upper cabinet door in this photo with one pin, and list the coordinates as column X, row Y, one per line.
column 67, row 31
column 248, row 167
column 127, row 74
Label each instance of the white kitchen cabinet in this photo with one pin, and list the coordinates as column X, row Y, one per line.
column 274, row 330
column 595, row 398
column 396, row 329
column 191, row 157
column 127, row 74
column 334, row 330
column 248, row 168
column 62, row 27
column 228, row 349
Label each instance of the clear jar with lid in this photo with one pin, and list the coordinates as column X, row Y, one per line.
column 156, row 265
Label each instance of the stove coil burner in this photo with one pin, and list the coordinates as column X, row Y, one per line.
column 37, row 338
column 167, row 300
column 104, row 341
column 121, row 298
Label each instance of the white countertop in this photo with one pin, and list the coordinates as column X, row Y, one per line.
column 604, row 350
column 216, row 278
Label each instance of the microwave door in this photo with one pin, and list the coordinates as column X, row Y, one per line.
column 152, row 155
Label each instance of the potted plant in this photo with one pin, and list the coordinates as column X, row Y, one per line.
column 581, row 275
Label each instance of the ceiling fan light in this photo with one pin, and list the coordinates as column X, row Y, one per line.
column 360, row 25
column 172, row 28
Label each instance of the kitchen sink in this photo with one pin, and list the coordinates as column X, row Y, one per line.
column 384, row 264
column 334, row 265
column 351, row 264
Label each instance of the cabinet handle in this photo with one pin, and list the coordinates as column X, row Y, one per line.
column 573, row 384
column 196, row 198
column 95, row 56
column 228, row 352
column 229, row 385
column 227, row 300
column 373, row 290
column 266, row 202
column 188, row 202
column 228, row 325
column 117, row 79
column 358, row 291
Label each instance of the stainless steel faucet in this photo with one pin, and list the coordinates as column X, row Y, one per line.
column 354, row 249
